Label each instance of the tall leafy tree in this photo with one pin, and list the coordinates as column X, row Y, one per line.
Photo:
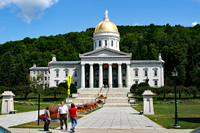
column 7, row 70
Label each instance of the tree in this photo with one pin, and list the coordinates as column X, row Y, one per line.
column 21, row 72
column 54, row 91
column 134, row 88
column 194, row 91
column 73, row 88
column 7, row 70
column 23, row 91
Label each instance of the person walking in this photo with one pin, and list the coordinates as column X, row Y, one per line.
column 47, row 119
column 62, row 111
column 73, row 116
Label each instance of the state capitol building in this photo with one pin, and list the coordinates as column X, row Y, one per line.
column 106, row 65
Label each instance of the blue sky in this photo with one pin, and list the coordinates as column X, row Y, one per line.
column 34, row 18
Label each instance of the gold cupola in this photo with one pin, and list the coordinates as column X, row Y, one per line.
column 106, row 26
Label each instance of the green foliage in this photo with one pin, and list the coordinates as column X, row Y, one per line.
column 179, row 46
column 22, row 91
column 142, row 84
column 64, row 85
column 2, row 89
column 54, row 91
column 134, row 88
column 73, row 88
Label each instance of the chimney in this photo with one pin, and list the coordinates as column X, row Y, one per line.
column 159, row 57
column 53, row 57
column 34, row 65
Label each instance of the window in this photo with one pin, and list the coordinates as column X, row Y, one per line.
column 75, row 74
column 45, row 78
column 155, row 72
column 75, row 83
column 156, row 82
column 48, row 78
column 57, row 73
column 46, row 72
column 57, row 82
column 136, row 72
column 66, row 73
column 105, row 42
column 99, row 43
column 112, row 43
column 136, row 81
column 146, row 73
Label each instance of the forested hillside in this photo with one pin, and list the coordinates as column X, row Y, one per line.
column 180, row 47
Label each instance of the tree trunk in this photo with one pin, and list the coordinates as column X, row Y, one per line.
column 164, row 96
column 54, row 96
column 179, row 95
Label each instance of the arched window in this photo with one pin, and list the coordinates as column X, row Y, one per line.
column 99, row 43
column 112, row 43
column 105, row 42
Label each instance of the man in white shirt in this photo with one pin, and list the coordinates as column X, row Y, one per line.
column 62, row 111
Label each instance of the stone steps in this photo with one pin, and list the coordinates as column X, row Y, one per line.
column 116, row 97
column 84, row 100
column 116, row 105
column 117, row 100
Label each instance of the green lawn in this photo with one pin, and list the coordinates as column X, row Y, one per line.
column 25, row 108
column 34, row 124
column 188, row 114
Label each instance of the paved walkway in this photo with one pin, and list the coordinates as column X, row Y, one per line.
column 18, row 118
column 14, row 130
column 116, row 118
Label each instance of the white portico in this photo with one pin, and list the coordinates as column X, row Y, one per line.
column 105, row 66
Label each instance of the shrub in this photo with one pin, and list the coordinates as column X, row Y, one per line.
column 73, row 88
column 134, row 88
column 142, row 84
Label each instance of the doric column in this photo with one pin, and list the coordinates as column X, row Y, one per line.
column 91, row 76
column 110, row 75
column 82, row 75
column 128, row 75
column 119, row 75
column 100, row 75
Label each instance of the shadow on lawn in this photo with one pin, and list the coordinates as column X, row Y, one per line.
column 191, row 120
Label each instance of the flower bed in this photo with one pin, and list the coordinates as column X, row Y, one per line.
column 80, row 109
column 99, row 101
column 101, row 96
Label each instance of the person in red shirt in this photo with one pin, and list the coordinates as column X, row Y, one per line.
column 73, row 116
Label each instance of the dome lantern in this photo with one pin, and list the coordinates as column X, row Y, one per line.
column 106, row 34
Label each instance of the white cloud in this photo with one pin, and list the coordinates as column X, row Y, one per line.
column 137, row 24
column 194, row 23
column 29, row 9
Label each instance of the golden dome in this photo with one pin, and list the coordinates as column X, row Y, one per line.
column 106, row 26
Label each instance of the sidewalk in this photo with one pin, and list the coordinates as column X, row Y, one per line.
column 104, row 131
column 116, row 118
column 18, row 118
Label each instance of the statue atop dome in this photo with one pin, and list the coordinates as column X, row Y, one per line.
column 106, row 15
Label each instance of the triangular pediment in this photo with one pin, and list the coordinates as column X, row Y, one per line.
column 105, row 52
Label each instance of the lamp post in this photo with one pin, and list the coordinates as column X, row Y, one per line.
column 175, row 74
column 147, row 82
